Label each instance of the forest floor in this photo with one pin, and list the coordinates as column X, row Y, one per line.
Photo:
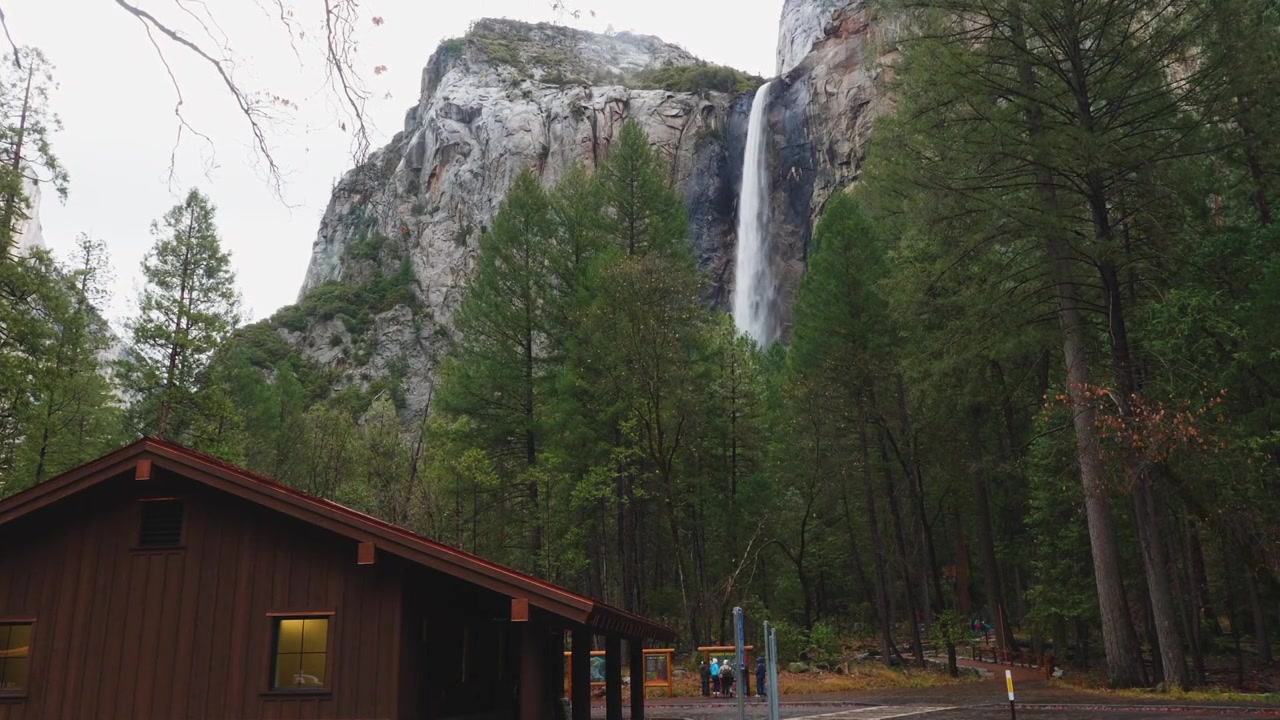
column 1038, row 699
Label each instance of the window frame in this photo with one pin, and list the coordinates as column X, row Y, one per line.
column 181, row 544
column 273, row 642
column 21, row 693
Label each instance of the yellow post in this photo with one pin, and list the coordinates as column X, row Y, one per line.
column 1008, row 681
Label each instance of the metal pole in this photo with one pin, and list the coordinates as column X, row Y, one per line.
column 1008, row 681
column 739, row 659
column 764, row 688
column 774, row 690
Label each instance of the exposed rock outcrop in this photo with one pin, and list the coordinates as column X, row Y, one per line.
column 821, row 112
column 509, row 96
column 803, row 23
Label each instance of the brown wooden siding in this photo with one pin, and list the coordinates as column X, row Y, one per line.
column 129, row 634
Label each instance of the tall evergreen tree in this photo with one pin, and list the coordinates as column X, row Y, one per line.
column 187, row 308
column 497, row 375
column 56, row 408
column 74, row 416
column 643, row 211
column 27, row 124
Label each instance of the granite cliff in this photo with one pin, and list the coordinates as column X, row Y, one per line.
column 833, row 59
column 398, row 240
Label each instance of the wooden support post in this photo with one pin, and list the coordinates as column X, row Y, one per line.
column 637, row 678
column 581, row 662
column 532, row 684
column 613, row 678
column 553, row 652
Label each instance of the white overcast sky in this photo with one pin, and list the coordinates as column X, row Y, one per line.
column 116, row 103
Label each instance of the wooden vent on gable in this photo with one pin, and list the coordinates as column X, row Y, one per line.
column 161, row 523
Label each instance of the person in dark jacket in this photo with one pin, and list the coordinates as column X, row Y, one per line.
column 760, row 675
column 704, row 672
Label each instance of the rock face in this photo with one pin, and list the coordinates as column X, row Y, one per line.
column 30, row 235
column 512, row 96
column 821, row 111
column 509, row 96
column 803, row 23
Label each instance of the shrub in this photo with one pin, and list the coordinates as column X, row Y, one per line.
column 699, row 77
column 452, row 47
column 291, row 317
column 368, row 247
column 354, row 304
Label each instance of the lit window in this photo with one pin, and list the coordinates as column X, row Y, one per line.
column 15, row 650
column 300, row 656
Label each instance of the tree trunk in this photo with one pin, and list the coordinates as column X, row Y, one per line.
column 992, row 580
column 531, row 442
column 1231, row 568
column 915, row 484
column 1158, row 676
column 1193, row 602
column 1117, row 629
column 1253, row 157
column 859, row 572
column 1260, row 639
column 11, row 202
column 1146, row 512
column 1200, row 578
column 877, row 550
column 1059, row 639
column 900, row 541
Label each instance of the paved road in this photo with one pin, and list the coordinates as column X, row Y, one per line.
column 935, row 712
column 1038, row 700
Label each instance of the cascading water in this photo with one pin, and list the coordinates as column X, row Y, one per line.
column 754, row 294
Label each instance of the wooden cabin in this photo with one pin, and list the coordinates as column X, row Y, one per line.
column 157, row 583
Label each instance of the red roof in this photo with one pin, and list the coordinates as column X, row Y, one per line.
column 341, row 519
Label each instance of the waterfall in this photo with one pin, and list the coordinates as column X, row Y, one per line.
column 754, row 293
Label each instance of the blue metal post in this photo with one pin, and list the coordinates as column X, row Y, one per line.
column 774, row 690
column 739, row 658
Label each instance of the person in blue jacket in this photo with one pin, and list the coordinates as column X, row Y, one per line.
column 760, row 675
column 715, row 677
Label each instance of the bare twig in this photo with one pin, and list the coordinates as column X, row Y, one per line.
column 177, row 110
column 286, row 20
column 17, row 61
column 339, row 22
column 252, row 111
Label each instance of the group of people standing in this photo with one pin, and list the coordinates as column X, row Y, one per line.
column 718, row 678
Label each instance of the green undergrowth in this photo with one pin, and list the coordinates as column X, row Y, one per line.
column 525, row 50
column 698, row 78
column 356, row 303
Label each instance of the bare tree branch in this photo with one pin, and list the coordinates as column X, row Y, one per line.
column 17, row 62
column 253, row 111
column 339, row 23
column 177, row 111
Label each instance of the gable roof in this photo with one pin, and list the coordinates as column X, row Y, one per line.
column 340, row 519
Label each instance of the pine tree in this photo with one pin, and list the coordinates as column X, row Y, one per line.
column 838, row 349
column 187, row 308
column 496, row 376
column 643, row 211
column 26, row 126
column 74, row 417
